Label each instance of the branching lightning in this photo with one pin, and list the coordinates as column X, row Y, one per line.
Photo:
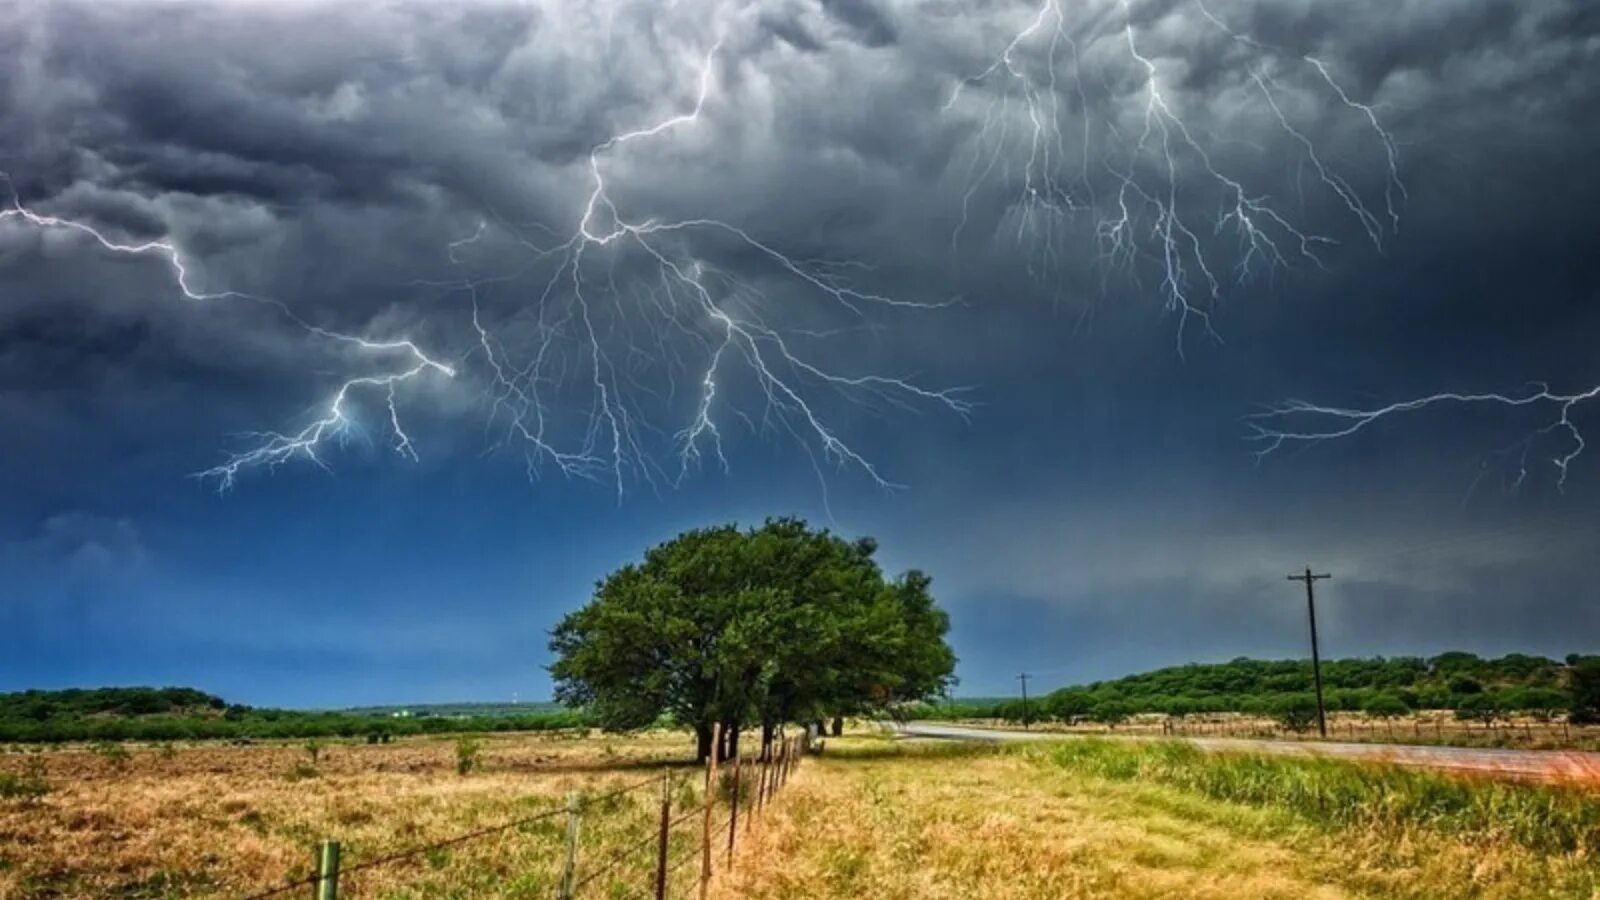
column 623, row 307
column 1149, row 194
column 711, row 308
column 1274, row 428
column 275, row 448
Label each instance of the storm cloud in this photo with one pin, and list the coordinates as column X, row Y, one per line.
column 1113, row 230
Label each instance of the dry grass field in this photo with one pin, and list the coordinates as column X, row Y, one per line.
column 872, row 819
column 226, row 821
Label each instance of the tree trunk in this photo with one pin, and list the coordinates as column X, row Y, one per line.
column 730, row 742
column 702, row 743
column 768, row 730
column 838, row 726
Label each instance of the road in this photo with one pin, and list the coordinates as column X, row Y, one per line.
column 1525, row 765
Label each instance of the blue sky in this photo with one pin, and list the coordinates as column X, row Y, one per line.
column 1098, row 511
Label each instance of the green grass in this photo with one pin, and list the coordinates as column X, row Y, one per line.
column 1545, row 819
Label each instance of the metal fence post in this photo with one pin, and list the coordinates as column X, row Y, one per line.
column 661, row 847
column 328, row 871
column 569, row 869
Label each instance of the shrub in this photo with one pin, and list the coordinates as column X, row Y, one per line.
column 1385, row 706
column 113, row 753
column 28, row 785
column 1297, row 712
column 467, row 749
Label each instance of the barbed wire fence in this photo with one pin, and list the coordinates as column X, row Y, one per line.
column 726, row 801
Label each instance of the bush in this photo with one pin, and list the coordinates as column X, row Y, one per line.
column 113, row 753
column 1385, row 706
column 467, row 750
column 28, row 785
column 1297, row 712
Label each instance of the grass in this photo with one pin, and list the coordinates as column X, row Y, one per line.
column 871, row 818
column 1548, row 820
column 1099, row 819
column 220, row 821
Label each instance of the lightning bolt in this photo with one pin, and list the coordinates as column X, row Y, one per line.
column 574, row 337
column 1160, row 196
column 623, row 306
column 274, row 448
column 1273, row 428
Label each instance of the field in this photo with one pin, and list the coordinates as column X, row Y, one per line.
column 1106, row 820
column 871, row 817
column 220, row 820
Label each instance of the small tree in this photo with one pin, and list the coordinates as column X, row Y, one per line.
column 1385, row 706
column 1583, row 683
column 1542, row 703
column 1111, row 713
column 1297, row 712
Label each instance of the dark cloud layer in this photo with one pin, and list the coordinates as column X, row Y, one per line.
column 362, row 164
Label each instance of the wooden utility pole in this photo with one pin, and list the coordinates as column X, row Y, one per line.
column 711, row 801
column 1025, row 717
column 1316, row 660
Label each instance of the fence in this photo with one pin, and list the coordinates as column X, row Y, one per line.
column 730, row 801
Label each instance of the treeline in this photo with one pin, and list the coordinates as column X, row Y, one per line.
column 1472, row 686
column 185, row 714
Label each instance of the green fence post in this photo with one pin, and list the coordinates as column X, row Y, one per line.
column 327, row 871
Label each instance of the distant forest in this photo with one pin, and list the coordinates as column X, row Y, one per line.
column 1472, row 686
column 167, row 714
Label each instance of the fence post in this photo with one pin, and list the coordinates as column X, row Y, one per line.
column 711, row 801
column 569, row 869
column 328, row 871
column 733, row 817
column 761, row 781
column 661, row 846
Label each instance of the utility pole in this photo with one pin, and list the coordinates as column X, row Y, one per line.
column 1316, row 661
column 1025, row 717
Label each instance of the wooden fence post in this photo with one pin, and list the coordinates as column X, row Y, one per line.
column 733, row 817
column 569, row 869
column 661, row 847
column 711, row 801
column 328, row 871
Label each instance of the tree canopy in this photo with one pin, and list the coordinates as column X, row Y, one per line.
column 780, row 623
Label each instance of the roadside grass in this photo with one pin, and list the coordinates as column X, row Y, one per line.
column 914, row 820
column 1549, row 820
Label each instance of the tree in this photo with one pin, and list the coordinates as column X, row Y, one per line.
column 780, row 623
column 1385, row 706
column 1110, row 712
column 1583, row 683
column 1297, row 712
column 1542, row 703
column 1067, row 704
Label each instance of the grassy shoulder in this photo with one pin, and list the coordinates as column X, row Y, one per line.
column 1096, row 819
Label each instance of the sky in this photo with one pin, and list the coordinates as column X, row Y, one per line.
column 344, row 347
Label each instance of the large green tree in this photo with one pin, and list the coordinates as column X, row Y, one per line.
column 781, row 623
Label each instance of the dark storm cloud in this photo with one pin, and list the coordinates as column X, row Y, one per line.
column 329, row 155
